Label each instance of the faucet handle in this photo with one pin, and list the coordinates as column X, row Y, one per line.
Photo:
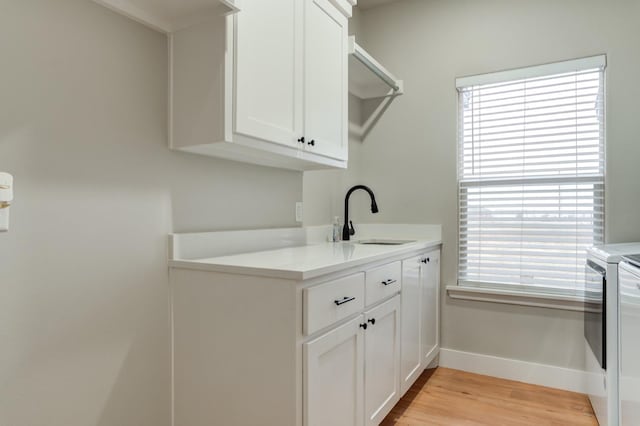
column 352, row 230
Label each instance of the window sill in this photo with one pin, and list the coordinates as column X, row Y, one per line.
column 539, row 300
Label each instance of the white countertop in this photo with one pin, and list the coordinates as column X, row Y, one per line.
column 307, row 261
column 301, row 263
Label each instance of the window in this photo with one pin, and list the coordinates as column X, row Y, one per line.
column 531, row 176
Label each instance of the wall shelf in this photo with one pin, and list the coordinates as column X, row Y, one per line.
column 168, row 16
column 373, row 87
column 368, row 79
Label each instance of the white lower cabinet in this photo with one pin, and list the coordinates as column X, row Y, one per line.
column 338, row 350
column 333, row 376
column 381, row 360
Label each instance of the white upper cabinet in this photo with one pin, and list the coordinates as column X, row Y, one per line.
column 326, row 79
column 267, row 85
column 255, row 81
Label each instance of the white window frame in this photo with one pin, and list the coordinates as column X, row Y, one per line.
column 523, row 295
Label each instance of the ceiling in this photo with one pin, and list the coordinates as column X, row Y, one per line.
column 368, row 4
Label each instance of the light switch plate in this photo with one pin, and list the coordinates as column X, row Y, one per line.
column 299, row 212
column 6, row 196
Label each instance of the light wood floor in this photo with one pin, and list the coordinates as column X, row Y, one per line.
column 450, row 398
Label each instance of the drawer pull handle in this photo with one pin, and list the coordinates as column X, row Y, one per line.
column 363, row 325
column 389, row 281
column 372, row 321
column 343, row 300
column 425, row 260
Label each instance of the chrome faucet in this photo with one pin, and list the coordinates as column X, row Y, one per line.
column 348, row 230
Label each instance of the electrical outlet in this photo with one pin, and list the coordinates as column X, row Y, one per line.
column 299, row 212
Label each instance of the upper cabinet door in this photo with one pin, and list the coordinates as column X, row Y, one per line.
column 325, row 80
column 269, row 91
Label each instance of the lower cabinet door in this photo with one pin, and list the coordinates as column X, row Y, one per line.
column 430, row 302
column 334, row 377
column 411, row 330
column 382, row 361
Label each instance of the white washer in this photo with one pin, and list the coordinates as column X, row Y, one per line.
column 602, row 357
column 629, row 280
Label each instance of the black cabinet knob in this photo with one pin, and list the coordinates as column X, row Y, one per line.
column 364, row 326
column 312, row 142
column 425, row 260
column 301, row 140
column 372, row 321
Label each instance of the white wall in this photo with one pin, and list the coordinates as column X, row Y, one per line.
column 84, row 334
column 410, row 157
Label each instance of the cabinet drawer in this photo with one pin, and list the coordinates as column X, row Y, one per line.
column 330, row 302
column 383, row 282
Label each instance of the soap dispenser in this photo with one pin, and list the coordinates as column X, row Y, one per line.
column 337, row 229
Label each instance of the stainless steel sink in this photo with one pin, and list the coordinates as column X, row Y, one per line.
column 381, row 242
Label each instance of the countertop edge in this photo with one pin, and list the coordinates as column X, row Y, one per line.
column 232, row 269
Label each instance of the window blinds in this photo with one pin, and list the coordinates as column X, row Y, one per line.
column 531, row 176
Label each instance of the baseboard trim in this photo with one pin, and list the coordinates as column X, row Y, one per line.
column 512, row 369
